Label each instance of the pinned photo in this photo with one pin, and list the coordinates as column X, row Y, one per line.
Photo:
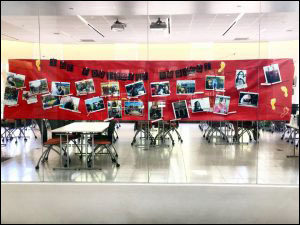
column 180, row 109
column 85, row 87
column 135, row 89
column 134, row 108
column 216, row 83
column 185, row 87
column 110, row 89
column 248, row 99
column 160, row 89
column 69, row 103
column 272, row 74
column 200, row 105
column 222, row 105
column 155, row 111
column 240, row 79
column 94, row 104
column 60, row 88
column 11, row 96
column 30, row 98
column 114, row 109
column 50, row 101
column 38, row 87
column 15, row 80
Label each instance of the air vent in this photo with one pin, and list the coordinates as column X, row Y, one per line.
column 241, row 39
column 87, row 40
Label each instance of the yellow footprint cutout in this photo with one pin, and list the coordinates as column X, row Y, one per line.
column 285, row 112
column 222, row 67
column 38, row 64
column 285, row 91
column 273, row 102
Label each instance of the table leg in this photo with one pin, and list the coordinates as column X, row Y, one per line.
column 293, row 156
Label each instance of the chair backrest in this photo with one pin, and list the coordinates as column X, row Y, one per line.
column 111, row 129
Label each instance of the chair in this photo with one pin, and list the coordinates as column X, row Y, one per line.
column 9, row 126
column 142, row 127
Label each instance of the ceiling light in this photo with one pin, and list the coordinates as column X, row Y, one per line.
column 118, row 26
column 234, row 23
column 158, row 25
column 90, row 25
column 289, row 30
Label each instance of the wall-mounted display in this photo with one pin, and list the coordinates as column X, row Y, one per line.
column 30, row 98
column 160, row 89
column 241, row 79
column 11, row 96
column 222, row 104
column 110, row 89
column 180, row 109
column 272, row 74
column 69, row 103
column 60, row 88
column 200, row 105
column 134, row 108
column 248, row 99
column 185, row 87
column 216, row 83
column 155, row 111
column 15, row 80
column 85, row 87
column 50, row 101
column 94, row 104
column 38, row 87
column 114, row 109
column 135, row 89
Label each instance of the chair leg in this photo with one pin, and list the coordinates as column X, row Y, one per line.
column 113, row 159
column 42, row 157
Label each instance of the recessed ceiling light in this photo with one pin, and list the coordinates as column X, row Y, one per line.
column 56, row 33
column 289, row 30
column 71, row 8
column 239, row 6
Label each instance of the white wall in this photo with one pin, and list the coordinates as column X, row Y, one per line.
column 148, row 203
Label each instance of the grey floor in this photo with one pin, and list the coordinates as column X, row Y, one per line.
column 193, row 161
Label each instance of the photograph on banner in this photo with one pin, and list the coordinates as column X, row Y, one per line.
column 110, row 89
column 60, row 88
column 30, row 98
column 114, row 109
column 160, row 89
column 248, row 99
column 38, row 86
column 11, row 96
column 15, row 80
column 155, row 111
column 185, row 87
column 134, row 108
column 50, row 101
column 221, row 105
column 94, row 104
column 200, row 105
column 85, row 87
column 135, row 89
column 272, row 74
column 216, row 83
column 180, row 109
column 240, row 79
column 69, row 103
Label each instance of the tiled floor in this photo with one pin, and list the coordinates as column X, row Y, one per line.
column 193, row 161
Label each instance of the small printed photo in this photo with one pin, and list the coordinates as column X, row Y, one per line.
column 38, row 87
column 155, row 111
column 60, row 88
column 134, row 108
column 30, row 98
column 248, row 99
column 180, row 109
column 185, row 87
column 69, row 103
column 215, row 83
column 221, row 104
column 135, row 89
column 200, row 105
column 114, row 109
column 15, row 80
column 272, row 74
column 160, row 88
column 11, row 96
column 240, row 79
column 85, row 87
column 110, row 89
column 50, row 101
column 94, row 104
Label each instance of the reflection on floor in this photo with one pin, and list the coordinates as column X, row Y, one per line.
column 193, row 161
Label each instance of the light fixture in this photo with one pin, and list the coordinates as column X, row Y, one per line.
column 118, row 26
column 90, row 25
column 158, row 25
column 234, row 23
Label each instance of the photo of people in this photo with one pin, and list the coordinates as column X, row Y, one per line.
column 272, row 74
column 110, row 89
column 11, row 96
column 200, row 105
column 69, row 103
column 60, row 88
column 50, row 101
column 240, row 79
column 185, row 87
column 155, row 111
column 85, row 87
column 180, row 109
column 38, row 87
column 248, row 99
column 15, row 80
column 135, row 89
column 94, row 104
column 160, row 89
column 215, row 83
column 114, row 109
column 30, row 98
column 221, row 104
column 134, row 108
